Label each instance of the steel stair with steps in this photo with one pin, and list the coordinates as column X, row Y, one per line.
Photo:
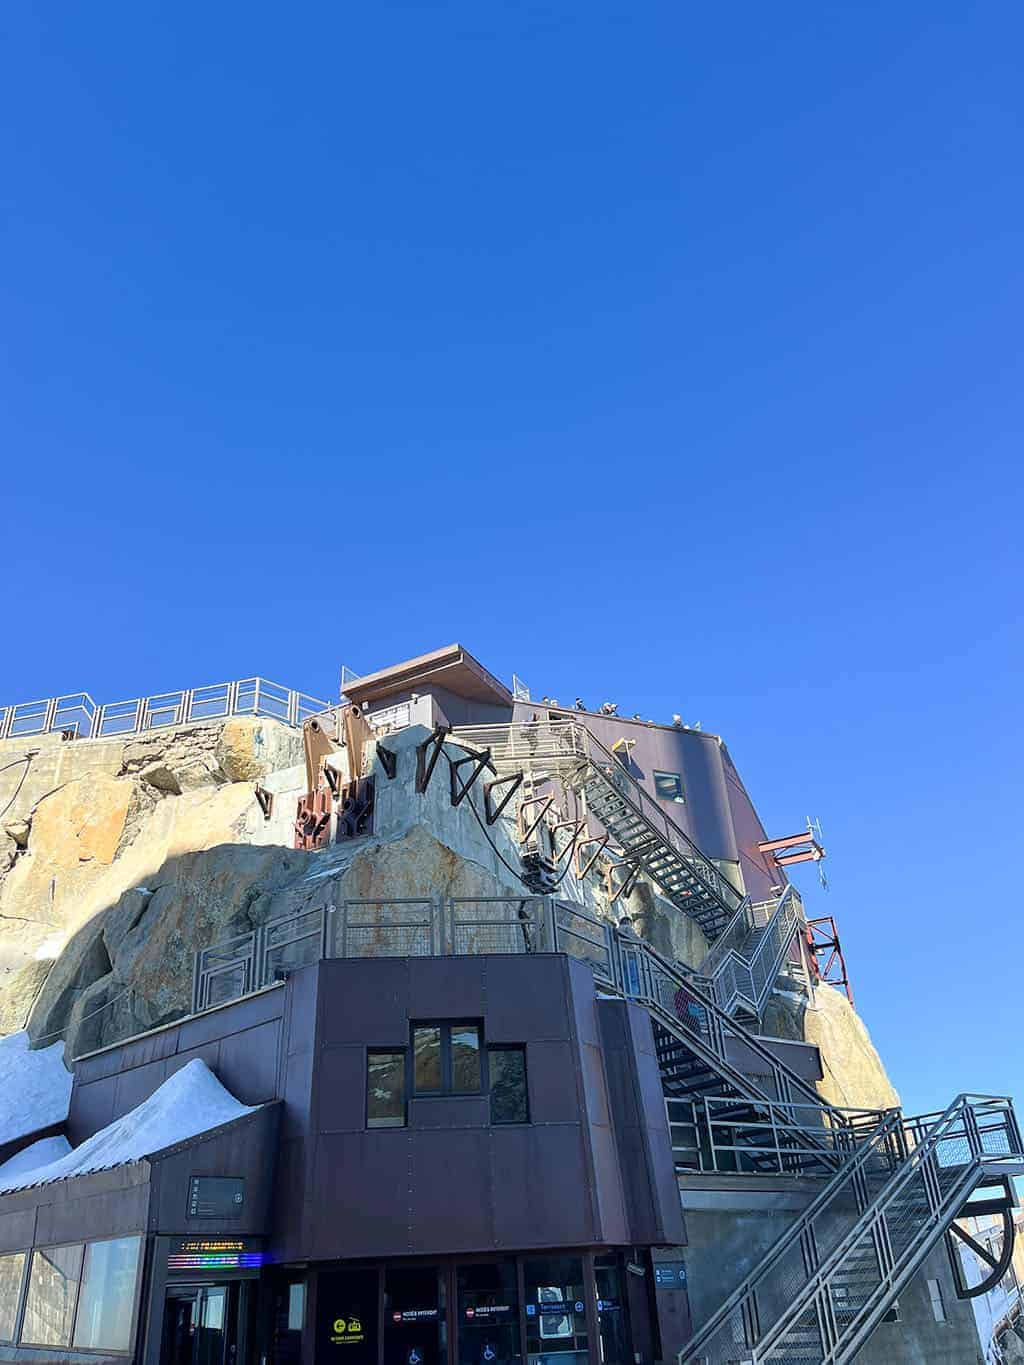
column 650, row 841
column 829, row 1280
column 746, row 961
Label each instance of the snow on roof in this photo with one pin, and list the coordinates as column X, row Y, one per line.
column 189, row 1102
column 40, row 1153
column 35, row 1087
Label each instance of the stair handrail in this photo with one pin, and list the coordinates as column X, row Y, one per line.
column 923, row 1151
column 577, row 741
column 887, row 1129
column 714, row 880
column 652, row 961
column 912, row 1153
column 747, row 966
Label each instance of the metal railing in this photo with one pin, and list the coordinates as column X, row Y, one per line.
column 743, row 976
column 371, row 928
column 822, row 1288
column 79, row 716
column 737, row 1137
column 622, row 964
column 570, row 751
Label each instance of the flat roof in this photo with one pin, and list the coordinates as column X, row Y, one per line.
column 452, row 667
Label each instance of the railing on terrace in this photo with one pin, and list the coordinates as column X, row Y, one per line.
column 79, row 717
column 399, row 927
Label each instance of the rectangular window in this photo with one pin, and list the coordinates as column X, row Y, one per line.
column 385, row 1090
column 446, row 1059
column 52, row 1292
column 106, row 1306
column 507, row 1069
column 12, row 1270
column 465, row 1058
column 938, row 1307
column 669, row 787
column 426, row 1054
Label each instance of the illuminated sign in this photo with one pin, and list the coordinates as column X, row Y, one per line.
column 214, row 1253
column 347, row 1331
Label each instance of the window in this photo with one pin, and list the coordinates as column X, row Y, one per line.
column 446, row 1059
column 12, row 1270
column 443, row 1060
column 385, row 1090
column 506, row 1067
column 669, row 787
column 938, row 1307
column 52, row 1292
column 107, row 1300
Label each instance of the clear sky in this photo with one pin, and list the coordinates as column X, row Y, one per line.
column 669, row 353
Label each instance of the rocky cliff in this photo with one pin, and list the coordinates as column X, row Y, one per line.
column 120, row 859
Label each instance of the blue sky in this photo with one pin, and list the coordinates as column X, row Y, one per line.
column 666, row 353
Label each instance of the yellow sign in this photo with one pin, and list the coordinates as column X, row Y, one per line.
column 347, row 1331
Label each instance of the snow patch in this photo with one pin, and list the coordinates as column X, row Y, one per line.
column 35, row 1087
column 40, row 1153
column 190, row 1102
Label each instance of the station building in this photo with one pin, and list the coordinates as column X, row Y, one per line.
column 519, row 1124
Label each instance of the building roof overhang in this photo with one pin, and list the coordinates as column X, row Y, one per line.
column 452, row 667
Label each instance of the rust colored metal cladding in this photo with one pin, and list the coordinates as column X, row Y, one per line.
column 793, row 848
column 313, row 820
column 355, row 809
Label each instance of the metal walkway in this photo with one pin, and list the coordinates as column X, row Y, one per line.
column 650, row 842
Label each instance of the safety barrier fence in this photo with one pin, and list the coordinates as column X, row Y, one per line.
column 741, row 1137
column 400, row 927
column 77, row 716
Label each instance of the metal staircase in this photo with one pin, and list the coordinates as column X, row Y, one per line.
column 746, row 961
column 822, row 1289
column 649, row 841
column 692, row 1037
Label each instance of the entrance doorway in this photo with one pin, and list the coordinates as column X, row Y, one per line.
column 201, row 1325
column 535, row 1309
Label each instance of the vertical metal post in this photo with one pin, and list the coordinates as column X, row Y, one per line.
column 293, row 708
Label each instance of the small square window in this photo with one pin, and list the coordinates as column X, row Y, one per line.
column 669, row 787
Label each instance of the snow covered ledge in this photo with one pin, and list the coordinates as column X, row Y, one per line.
column 189, row 1103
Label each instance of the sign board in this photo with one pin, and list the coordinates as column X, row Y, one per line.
column 670, row 1274
column 215, row 1196
column 215, row 1253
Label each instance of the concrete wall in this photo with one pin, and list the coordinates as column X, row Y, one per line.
column 731, row 1224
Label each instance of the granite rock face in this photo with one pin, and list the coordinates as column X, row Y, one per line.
column 120, row 859
column 855, row 1076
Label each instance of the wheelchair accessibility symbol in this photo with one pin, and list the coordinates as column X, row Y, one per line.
column 490, row 1353
column 414, row 1357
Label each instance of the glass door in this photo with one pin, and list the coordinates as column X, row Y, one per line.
column 415, row 1326
column 200, row 1325
column 612, row 1319
column 487, row 1314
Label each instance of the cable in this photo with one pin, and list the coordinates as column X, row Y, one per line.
column 92, row 1014
column 27, row 760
